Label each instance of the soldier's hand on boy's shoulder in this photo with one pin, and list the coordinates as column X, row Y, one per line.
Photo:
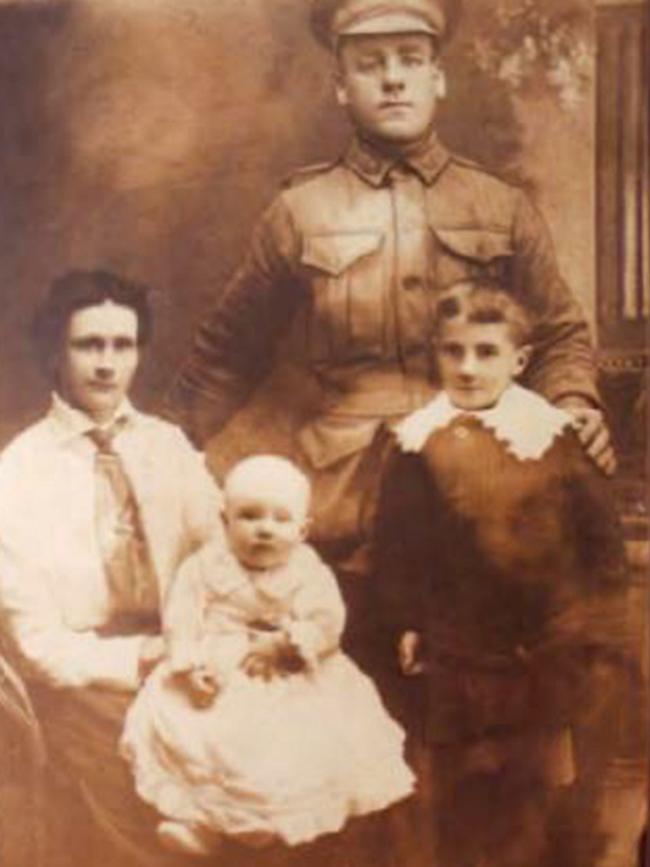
column 592, row 431
column 409, row 653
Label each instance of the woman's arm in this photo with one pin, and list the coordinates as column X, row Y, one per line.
column 55, row 653
column 183, row 615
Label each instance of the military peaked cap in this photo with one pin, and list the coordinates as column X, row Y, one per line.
column 333, row 19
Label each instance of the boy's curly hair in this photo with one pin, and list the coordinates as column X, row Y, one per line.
column 486, row 302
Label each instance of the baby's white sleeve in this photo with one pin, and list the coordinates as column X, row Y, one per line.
column 318, row 613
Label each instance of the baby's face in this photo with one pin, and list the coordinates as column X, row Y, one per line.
column 477, row 361
column 263, row 529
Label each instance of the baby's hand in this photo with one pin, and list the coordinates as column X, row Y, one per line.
column 201, row 685
column 259, row 664
column 409, row 650
column 288, row 660
column 267, row 642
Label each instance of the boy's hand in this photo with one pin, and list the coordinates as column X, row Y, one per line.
column 201, row 686
column 408, row 653
column 592, row 432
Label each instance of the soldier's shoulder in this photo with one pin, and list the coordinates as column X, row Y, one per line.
column 476, row 178
column 480, row 171
column 303, row 175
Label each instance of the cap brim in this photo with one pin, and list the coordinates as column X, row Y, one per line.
column 386, row 24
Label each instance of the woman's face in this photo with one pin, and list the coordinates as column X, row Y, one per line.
column 98, row 359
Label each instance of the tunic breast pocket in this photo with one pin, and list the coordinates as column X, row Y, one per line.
column 346, row 271
column 472, row 253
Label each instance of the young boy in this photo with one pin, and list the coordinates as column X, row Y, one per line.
column 257, row 726
column 501, row 575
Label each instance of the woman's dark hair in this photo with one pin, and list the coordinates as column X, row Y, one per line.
column 76, row 290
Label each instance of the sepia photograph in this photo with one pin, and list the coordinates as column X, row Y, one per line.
column 324, row 517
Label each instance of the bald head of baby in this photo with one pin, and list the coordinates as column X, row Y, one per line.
column 266, row 510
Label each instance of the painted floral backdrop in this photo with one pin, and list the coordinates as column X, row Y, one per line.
column 512, row 55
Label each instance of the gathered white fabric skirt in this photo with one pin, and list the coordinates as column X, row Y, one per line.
column 291, row 758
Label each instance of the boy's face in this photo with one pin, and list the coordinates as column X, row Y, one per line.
column 263, row 529
column 98, row 359
column 477, row 362
column 390, row 84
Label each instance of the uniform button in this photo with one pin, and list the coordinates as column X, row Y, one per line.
column 461, row 433
column 412, row 282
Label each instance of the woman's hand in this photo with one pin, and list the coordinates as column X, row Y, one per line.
column 272, row 654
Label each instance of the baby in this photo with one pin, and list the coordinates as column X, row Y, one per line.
column 501, row 576
column 256, row 725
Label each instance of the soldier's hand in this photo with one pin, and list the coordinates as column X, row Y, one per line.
column 593, row 433
column 408, row 653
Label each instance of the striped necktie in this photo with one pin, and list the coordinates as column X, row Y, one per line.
column 122, row 541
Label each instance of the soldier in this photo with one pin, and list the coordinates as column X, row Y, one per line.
column 351, row 257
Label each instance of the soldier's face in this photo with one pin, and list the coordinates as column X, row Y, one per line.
column 390, row 85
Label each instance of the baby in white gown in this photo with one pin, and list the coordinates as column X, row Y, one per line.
column 256, row 725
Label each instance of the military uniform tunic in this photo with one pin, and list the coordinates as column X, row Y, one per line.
column 353, row 255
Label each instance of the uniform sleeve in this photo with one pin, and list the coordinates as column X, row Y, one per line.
column 401, row 542
column 563, row 362
column 318, row 613
column 235, row 344
column 51, row 650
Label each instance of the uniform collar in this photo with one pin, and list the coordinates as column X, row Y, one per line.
column 70, row 423
column 526, row 423
column 373, row 164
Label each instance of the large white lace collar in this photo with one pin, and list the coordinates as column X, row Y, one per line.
column 524, row 421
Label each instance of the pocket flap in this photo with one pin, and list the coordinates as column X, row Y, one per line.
column 334, row 252
column 479, row 244
column 330, row 439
